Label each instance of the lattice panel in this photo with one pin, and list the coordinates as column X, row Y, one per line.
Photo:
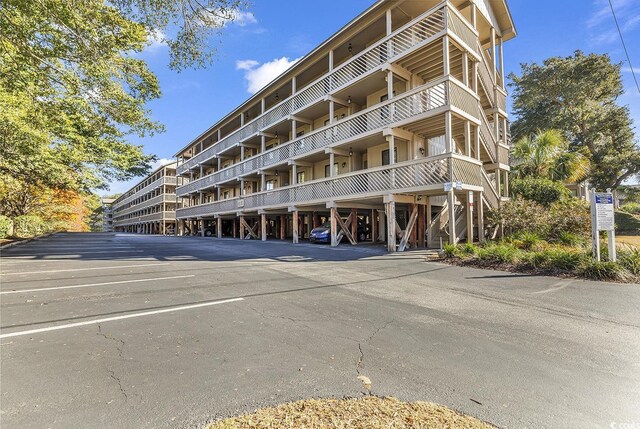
column 463, row 100
column 466, row 172
column 462, row 29
column 487, row 138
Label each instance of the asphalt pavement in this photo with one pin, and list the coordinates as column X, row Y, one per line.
column 124, row 331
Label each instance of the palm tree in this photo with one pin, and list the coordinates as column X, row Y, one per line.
column 546, row 155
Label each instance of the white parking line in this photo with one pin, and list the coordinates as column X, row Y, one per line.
column 91, row 285
column 88, row 269
column 30, row 254
column 110, row 319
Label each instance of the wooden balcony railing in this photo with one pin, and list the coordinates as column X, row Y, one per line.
column 411, row 176
column 418, row 32
column 165, row 180
column 405, row 108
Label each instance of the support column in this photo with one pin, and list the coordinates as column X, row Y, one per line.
column 469, row 208
column 448, row 133
column 332, row 160
column 354, row 224
column 316, row 221
column 334, row 227
column 451, row 200
column 219, row 227
column 498, row 182
column 480, row 212
column 263, row 224
column 392, row 151
column 283, row 226
column 201, row 221
column 493, row 53
column 445, row 55
column 234, row 233
column 391, row 225
column 467, row 138
column 242, row 228
column 296, row 226
column 421, row 225
column 413, row 239
column 374, row 225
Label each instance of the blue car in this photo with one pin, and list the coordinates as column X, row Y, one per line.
column 322, row 234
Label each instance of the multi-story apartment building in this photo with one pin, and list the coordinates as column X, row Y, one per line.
column 107, row 214
column 150, row 206
column 395, row 126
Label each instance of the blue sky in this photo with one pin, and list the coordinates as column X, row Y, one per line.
column 271, row 35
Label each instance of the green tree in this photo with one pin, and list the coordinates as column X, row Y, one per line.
column 546, row 155
column 577, row 95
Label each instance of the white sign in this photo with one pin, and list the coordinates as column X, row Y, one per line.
column 459, row 186
column 448, row 186
column 603, row 219
column 604, row 212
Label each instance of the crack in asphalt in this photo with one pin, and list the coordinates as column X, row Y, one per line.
column 119, row 346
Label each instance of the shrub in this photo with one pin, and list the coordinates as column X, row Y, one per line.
column 569, row 216
column 602, row 270
column 527, row 240
column 521, row 216
column 629, row 259
column 571, row 239
column 468, row 249
column 633, row 208
column 543, row 191
column 28, row 226
column 564, row 259
column 501, row 253
column 6, row 226
column 450, row 250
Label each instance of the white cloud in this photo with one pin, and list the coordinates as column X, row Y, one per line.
column 258, row 75
column 628, row 70
column 162, row 161
column 244, row 18
column 156, row 39
column 602, row 25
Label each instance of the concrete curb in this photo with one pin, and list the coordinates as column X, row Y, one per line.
column 28, row 240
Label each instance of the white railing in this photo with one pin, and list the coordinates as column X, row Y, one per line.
column 165, row 180
column 402, row 108
column 158, row 199
column 417, row 32
column 153, row 217
column 410, row 176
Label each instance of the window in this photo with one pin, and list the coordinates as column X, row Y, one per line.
column 225, row 195
column 300, row 133
column 300, row 177
column 385, row 156
column 270, row 184
column 327, row 172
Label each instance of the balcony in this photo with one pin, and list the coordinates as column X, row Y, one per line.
column 153, row 217
column 165, row 180
column 425, row 101
column 421, row 31
column 422, row 175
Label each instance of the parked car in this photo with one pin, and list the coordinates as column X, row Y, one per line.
column 322, row 234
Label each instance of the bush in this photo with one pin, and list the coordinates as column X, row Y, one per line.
column 629, row 259
column 519, row 216
column 602, row 270
column 526, row 240
column 571, row 239
column 6, row 227
column 28, row 226
column 468, row 249
column 569, row 216
column 633, row 208
column 565, row 259
column 543, row 191
column 450, row 250
column 500, row 253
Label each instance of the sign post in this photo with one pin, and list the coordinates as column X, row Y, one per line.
column 603, row 219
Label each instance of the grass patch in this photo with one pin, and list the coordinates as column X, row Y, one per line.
column 367, row 412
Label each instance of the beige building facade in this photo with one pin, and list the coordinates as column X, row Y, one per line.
column 150, row 206
column 394, row 130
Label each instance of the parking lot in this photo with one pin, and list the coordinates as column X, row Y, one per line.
column 122, row 330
